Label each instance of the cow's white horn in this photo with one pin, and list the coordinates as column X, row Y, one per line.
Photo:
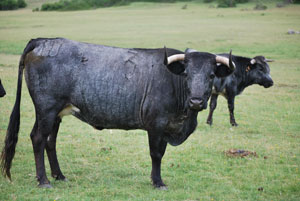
column 225, row 61
column 269, row 60
column 176, row 57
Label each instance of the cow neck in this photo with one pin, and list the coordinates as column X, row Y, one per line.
column 180, row 93
column 185, row 120
column 242, row 73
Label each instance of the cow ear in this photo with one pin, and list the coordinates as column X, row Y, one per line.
column 222, row 70
column 188, row 50
column 176, row 67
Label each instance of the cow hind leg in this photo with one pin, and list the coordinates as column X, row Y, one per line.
column 157, row 149
column 212, row 107
column 51, row 152
column 43, row 128
column 38, row 139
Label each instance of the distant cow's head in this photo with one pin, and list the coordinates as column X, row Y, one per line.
column 2, row 91
column 259, row 71
column 199, row 69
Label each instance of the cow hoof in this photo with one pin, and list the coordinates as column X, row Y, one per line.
column 160, row 186
column 45, row 186
column 63, row 180
column 163, row 188
column 209, row 122
column 234, row 124
column 59, row 177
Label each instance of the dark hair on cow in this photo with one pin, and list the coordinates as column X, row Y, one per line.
column 2, row 90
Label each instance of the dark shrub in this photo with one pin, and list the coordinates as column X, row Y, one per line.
column 64, row 5
column 260, row 6
column 21, row 4
column 12, row 4
column 226, row 3
column 8, row 4
column 35, row 9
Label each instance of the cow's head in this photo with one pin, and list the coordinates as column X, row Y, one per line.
column 259, row 71
column 199, row 70
column 2, row 91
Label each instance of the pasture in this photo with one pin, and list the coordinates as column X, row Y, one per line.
column 115, row 164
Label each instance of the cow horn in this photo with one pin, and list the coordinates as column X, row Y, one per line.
column 253, row 61
column 176, row 57
column 228, row 62
column 269, row 60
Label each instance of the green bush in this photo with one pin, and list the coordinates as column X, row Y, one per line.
column 260, row 6
column 226, row 3
column 230, row 3
column 21, row 4
column 35, row 9
column 12, row 4
column 65, row 5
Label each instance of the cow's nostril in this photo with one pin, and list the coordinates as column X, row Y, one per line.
column 196, row 103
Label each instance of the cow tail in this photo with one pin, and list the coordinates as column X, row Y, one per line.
column 11, row 138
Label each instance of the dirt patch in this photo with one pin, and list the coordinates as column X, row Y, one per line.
column 239, row 153
column 287, row 85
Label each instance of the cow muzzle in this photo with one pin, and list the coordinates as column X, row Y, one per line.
column 2, row 92
column 197, row 104
column 268, row 84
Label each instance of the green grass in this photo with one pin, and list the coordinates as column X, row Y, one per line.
column 196, row 170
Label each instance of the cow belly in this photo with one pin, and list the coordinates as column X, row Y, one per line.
column 222, row 93
column 110, row 103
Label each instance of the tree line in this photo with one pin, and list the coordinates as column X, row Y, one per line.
column 68, row 5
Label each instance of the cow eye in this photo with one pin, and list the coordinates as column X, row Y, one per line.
column 212, row 76
column 260, row 68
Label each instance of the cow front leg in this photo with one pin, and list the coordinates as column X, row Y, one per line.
column 51, row 152
column 230, row 101
column 212, row 107
column 157, row 150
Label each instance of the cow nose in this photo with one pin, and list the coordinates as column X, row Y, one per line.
column 269, row 84
column 3, row 94
column 196, row 104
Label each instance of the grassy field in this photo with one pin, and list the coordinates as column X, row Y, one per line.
column 115, row 164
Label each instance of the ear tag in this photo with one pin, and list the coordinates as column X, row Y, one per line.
column 248, row 69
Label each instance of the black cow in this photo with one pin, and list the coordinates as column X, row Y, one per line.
column 111, row 88
column 248, row 72
column 2, row 91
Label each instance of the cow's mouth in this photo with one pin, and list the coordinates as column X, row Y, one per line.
column 2, row 94
column 267, row 85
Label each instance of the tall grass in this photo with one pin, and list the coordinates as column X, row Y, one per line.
column 115, row 164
